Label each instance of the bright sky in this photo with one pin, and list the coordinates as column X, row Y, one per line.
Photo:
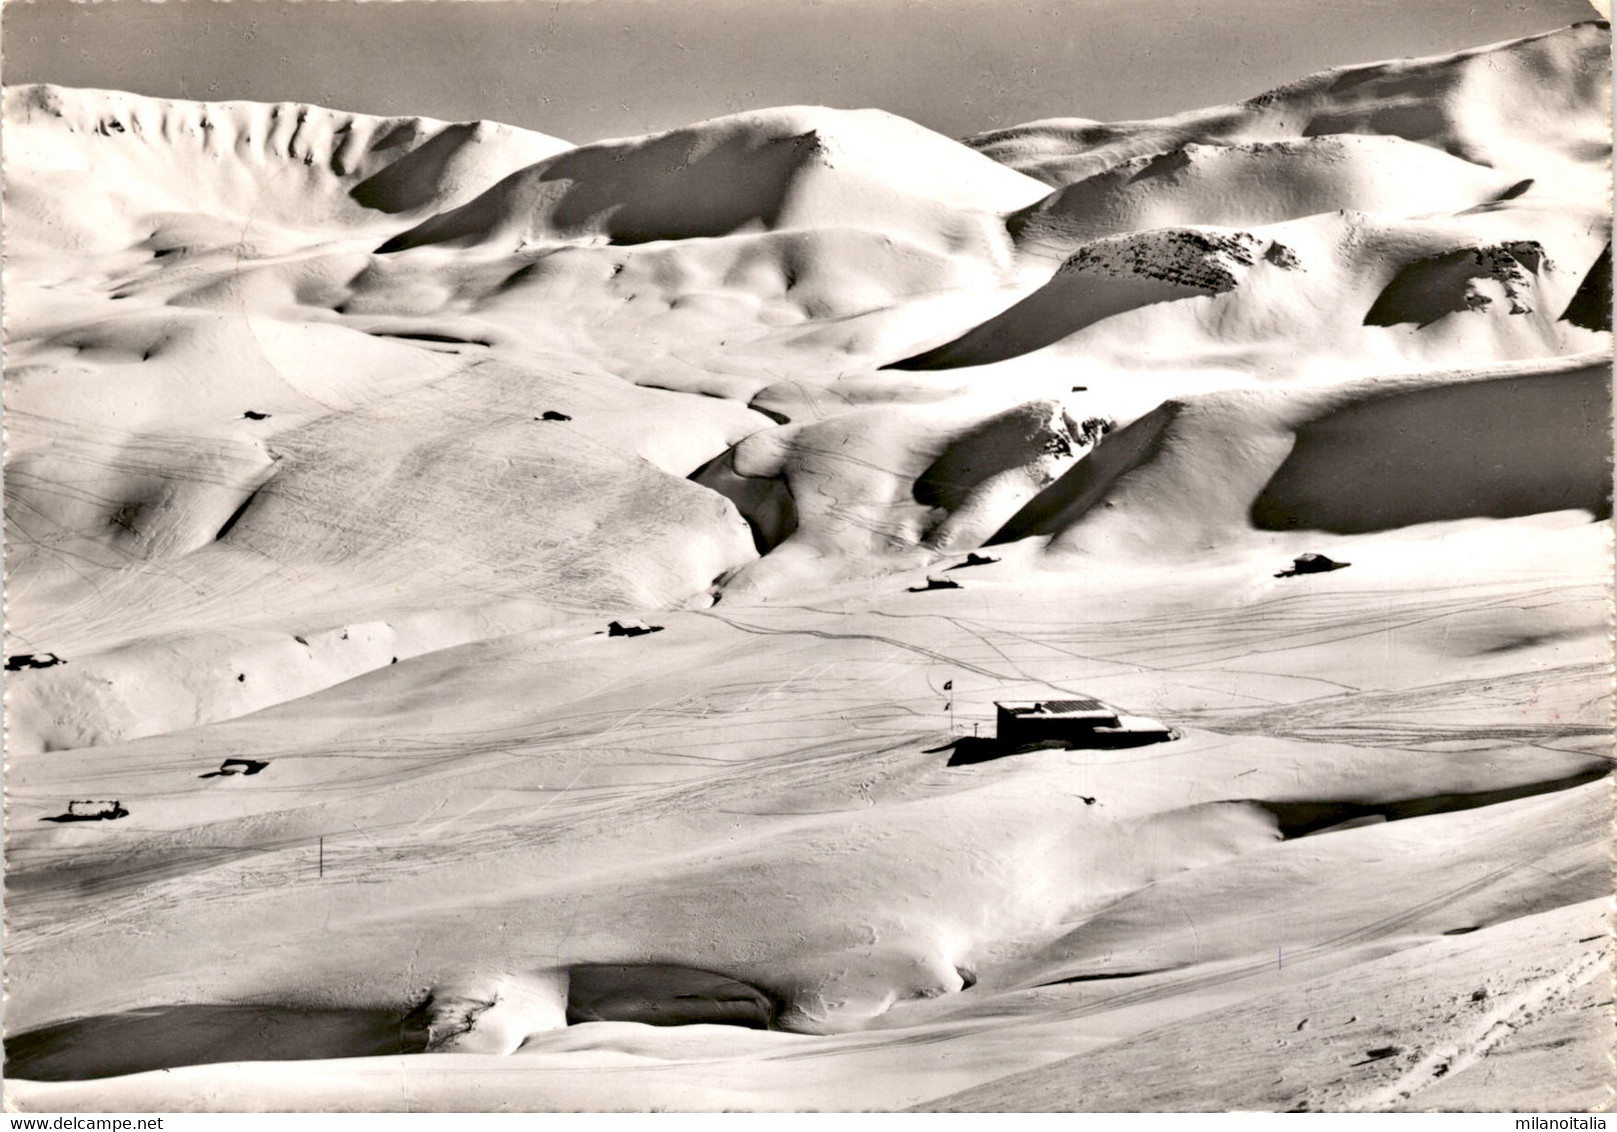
column 585, row 69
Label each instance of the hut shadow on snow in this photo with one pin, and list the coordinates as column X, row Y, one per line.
column 970, row 749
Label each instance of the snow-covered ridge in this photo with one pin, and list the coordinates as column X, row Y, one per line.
column 495, row 622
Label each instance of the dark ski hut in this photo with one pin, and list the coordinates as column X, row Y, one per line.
column 1078, row 723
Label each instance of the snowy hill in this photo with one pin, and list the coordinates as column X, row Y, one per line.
column 546, row 604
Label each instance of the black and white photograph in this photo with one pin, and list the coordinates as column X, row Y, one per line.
column 786, row 556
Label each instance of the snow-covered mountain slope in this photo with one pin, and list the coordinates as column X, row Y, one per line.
column 1533, row 107
column 546, row 605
